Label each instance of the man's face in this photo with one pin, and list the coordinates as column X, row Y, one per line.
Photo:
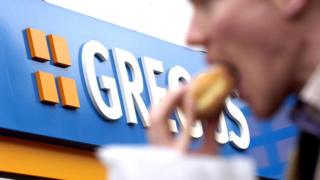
column 255, row 40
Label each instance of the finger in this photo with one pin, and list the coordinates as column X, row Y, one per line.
column 210, row 145
column 159, row 131
column 183, row 141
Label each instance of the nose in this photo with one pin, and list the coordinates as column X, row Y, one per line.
column 196, row 33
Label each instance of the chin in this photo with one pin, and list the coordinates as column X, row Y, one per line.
column 263, row 106
column 264, row 111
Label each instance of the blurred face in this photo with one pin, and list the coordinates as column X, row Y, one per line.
column 252, row 37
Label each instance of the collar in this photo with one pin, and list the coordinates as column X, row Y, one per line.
column 310, row 93
column 307, row 118
column 307, row 111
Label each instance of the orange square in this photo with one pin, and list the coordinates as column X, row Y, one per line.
column 38, row 45
column 68, row 92
column 60, row 51
column 47, row 87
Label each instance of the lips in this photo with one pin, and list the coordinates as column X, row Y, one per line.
column 209, row 61
column 214, row 57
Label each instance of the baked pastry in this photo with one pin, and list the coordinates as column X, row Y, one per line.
column 210, row 89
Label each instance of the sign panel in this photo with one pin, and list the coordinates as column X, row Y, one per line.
column 71, row 77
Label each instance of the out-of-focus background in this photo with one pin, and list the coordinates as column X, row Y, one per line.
column 165, row 19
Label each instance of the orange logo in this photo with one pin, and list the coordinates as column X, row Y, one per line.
column 46, row 82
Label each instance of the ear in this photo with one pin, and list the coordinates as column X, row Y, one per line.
column 291, row 8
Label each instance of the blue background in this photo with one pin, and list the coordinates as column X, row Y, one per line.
column 21, row 110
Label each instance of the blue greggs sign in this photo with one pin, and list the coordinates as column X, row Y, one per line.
column 70, row 77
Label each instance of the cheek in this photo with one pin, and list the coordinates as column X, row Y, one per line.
column 222, row 23
column 227, row 17
column 249, row 27
column 254, row 49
